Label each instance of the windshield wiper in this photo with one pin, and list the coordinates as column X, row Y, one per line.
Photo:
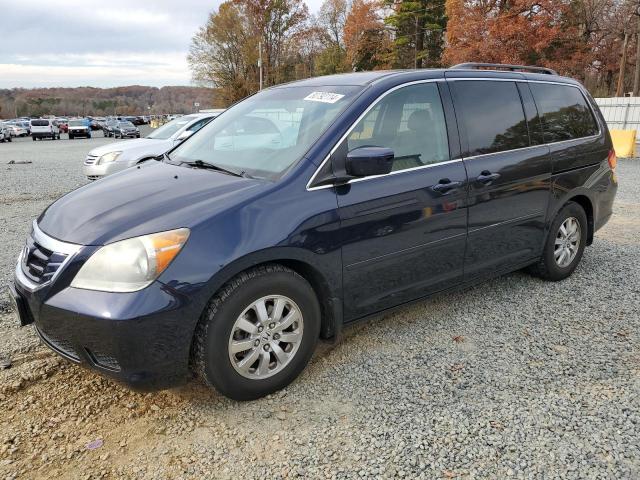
column 211, row 166
column 164, row 157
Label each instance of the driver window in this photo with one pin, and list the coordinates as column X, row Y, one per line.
column 411, row 122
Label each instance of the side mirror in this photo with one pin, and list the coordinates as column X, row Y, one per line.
column 369, row 161
column 184, row 135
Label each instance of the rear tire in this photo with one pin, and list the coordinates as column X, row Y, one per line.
column 272, row 362
column 564, row 246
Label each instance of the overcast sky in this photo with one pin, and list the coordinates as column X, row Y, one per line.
column 48, row 43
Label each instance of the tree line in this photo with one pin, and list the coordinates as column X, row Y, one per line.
column 595, row 41
column 83, row 101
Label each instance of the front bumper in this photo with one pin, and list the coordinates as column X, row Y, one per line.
column 80, row 133
column 141, row 339
column 96, row 171
column 130, row 134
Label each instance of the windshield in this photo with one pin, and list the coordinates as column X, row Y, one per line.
column 126, row 124
column 77, row 123
column 267, row 133
column 168, row 129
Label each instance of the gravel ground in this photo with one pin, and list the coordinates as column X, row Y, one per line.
column 514, row 378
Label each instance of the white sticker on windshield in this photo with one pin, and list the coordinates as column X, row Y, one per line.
column 324, row 97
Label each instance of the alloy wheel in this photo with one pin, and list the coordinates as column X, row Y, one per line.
column 567, row 242
column 265, row 337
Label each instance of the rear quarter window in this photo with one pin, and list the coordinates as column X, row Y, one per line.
column 564, row 112
column 492, row 115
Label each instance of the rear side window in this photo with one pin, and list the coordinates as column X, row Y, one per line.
column 40, row 123
column 564, row 112
column 492, row 115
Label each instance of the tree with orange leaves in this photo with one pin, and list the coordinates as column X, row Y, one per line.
column 513, row 31
column 367, row 42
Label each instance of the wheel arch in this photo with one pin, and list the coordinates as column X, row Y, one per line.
column 327, row 287
column 583, row 197
column 587, row 205
column 320, row 286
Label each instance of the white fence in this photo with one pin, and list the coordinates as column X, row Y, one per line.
column 621, row 112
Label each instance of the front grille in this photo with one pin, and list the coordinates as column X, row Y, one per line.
column 93, row 177
column 64, row 347
column 40, row 264
column 91, row 160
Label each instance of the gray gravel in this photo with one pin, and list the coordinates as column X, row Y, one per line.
column 516, row 378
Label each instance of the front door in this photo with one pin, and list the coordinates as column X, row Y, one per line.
column 404, row 233
column 509, row 174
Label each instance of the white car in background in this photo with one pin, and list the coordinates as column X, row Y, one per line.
column 111, row 158
column 44, row 128
column 5, row 134
column 16, row 130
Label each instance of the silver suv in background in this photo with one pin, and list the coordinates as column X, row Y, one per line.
column 108, row 159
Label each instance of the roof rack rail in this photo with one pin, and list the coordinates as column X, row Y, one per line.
column 503, row 66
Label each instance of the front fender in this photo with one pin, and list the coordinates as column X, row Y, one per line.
column 280, row 225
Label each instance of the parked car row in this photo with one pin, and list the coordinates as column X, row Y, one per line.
column 40, row 128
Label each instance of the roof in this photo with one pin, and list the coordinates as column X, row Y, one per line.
column 366, row 78
column 356, row 78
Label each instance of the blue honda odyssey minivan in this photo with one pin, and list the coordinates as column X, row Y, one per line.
column 309, row 206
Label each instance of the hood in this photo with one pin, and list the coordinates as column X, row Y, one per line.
column 137, row 201
column 131, row 148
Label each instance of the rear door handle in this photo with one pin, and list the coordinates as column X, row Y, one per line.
column 445, row 185
column 487, row 177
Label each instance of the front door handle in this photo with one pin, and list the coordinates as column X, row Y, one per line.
column 487, row 177
column 445, row 185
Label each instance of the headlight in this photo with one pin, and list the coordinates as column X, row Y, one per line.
column 132, row 264
column 109, row 157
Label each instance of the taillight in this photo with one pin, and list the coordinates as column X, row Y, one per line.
column 613, row 161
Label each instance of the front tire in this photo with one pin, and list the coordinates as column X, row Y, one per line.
column 565, row 244
column 257, row 333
